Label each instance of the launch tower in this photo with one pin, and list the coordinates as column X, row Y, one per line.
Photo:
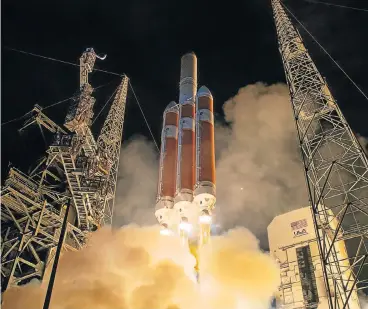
column 336, row 169
column 76, row 167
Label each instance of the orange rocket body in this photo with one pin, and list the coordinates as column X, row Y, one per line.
column 187, row 178
column 167, row 171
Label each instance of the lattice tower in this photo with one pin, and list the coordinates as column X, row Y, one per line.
column 335, row 165
column 109, row 144
column 32, row 205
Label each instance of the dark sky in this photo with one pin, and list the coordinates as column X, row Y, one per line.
column 235, row 43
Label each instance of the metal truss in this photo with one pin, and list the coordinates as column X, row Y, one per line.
column 31, row 221
column 74, row 168
column 42, row 120
column 109, row 144
column 336, row 169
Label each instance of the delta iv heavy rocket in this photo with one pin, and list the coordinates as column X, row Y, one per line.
column 187, row 182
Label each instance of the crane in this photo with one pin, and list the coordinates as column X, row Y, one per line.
column 335, row 166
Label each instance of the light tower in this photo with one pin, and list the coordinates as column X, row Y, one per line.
column 336, row 170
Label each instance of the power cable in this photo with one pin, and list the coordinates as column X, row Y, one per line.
column 326, row 52
column 58, row 60
column 62, row 101
column 337, row 5
column 53, row 104
column 15, row 119
column 103, row 107
column 145, row 119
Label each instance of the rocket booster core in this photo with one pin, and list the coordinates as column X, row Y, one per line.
column 167, row 171
column 205, row 185
column 187, row 180
column 188, row 78
column 186, row 137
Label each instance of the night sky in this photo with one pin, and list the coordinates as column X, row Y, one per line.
column 235, row 43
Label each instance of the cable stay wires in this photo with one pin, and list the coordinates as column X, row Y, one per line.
column 325, row 51
column 337, row 5
column 48, row 106
column 103, row 107
column 145, row 119
column 58, row 60
column 65, row 100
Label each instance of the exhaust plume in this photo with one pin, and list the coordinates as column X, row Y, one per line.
column 137, row 268
column 259, row 171
column 259, row 175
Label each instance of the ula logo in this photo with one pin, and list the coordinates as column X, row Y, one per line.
column 300, row 232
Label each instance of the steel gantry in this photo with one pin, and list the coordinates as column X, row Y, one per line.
column 336, row 169
column 75, row 168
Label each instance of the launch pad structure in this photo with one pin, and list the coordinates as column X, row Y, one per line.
column 75, row 167
column 336, row 170
column 79, row 168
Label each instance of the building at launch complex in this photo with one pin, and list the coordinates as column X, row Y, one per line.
column 322, row 250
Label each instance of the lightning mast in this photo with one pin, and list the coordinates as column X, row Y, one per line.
column 109, row 144
column 336, row 171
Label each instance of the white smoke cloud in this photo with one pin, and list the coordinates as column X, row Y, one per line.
column 259, row 171
column 363, row 141
column 137, row 268
column 137, row 183
column 259, row 175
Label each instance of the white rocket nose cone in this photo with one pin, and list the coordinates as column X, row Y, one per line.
column 170, row 105
column 189, row 54
column 204, row 92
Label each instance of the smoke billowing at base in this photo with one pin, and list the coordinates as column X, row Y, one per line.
column 259, row 175
column 258, row 166
column 137, row 268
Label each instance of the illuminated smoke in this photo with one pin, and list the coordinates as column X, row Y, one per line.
column 259, row 175
column 259, row 171
column 363, row 141
column 137, row 183
column 137, row 268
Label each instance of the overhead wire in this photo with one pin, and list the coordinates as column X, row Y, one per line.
column 325, row 51
column 144, row 117
column 51, row 105
column 100, row 70
column 58, row 60
column 103, row 107
column 337, row 5
column 15, row 119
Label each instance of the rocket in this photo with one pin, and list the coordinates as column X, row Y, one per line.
column 186, row 193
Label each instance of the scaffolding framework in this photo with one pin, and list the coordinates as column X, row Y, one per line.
column 74, row 168
column 335, row 165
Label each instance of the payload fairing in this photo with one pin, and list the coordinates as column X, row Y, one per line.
column 187, row 179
